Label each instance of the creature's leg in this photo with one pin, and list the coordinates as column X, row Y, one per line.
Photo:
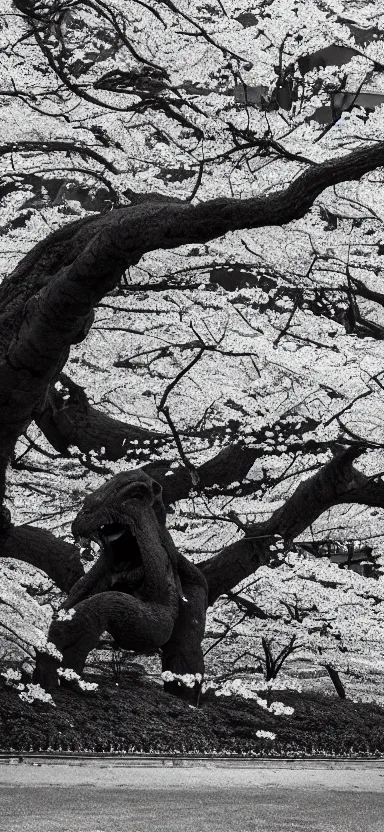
column 74, row 638
column 45, row 672
column 182, row 654
column 134, row 624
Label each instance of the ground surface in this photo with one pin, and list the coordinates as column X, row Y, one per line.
column 137, row 716
column 110, row 798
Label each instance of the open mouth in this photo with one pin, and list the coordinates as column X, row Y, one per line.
column 120, row 541
column 112, row 532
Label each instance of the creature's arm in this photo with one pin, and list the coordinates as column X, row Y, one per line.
column 97, row 579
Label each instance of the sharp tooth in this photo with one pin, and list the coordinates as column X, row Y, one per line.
column 112, row 537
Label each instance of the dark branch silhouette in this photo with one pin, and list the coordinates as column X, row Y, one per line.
column 47, row 304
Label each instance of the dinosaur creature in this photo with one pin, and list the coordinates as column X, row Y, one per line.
column 141, row 590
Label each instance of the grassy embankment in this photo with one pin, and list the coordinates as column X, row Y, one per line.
column 136, row 716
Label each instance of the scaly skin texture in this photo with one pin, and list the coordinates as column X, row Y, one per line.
column 140, row 589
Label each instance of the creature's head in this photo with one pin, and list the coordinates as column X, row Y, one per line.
column 126, row 517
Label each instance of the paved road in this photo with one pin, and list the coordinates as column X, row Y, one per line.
column 108, row 798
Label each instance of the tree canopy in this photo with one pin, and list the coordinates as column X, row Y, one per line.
column 192, row 282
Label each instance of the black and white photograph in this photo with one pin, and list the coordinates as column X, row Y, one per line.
column 191, row 416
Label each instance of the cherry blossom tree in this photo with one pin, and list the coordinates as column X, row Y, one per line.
column 191, row 278
column 302, row 609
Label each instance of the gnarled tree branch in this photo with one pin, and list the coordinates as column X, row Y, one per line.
column 336, row 483
column 66, row 275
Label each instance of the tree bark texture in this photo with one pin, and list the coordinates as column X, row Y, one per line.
column 47, row 305
column 65, row 276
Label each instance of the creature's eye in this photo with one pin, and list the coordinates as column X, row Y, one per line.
column 135, row 492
